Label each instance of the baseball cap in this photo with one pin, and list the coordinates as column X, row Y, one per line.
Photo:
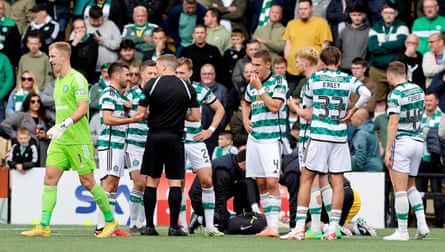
column 105, row 66
column 38, row 7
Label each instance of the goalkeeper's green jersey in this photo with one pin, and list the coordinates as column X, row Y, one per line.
column 68, row 91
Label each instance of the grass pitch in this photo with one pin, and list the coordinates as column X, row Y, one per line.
column 81, row 238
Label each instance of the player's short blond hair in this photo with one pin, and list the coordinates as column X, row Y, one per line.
column 62, row 47
column 396, row 68
column 309, row 53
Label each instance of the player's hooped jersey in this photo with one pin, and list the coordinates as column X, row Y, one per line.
column 328, row 94
column 137, row 132
column 305, row 125
column 265, row 124
column 203, row 96
column 112, row 136
column 407, row 100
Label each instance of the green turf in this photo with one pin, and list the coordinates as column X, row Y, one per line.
column 80, row 239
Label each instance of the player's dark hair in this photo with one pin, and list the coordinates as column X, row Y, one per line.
column 116, row 67
column 35, row 35
column 429, row 92
column 279, row 60
column 305, row 1
column 330, row 55
column 264, row 55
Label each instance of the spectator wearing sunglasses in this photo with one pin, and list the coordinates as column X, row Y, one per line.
column 16, row 98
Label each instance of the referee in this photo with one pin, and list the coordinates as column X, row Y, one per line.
column 171, row 101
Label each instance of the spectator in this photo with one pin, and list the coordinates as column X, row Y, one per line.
column 201, row 53
column 337, row 15
column 24, row 154
column 353, row 39
column 365, row 153
column 232, row 55
column 181, row 22
column 232, row 14
column 359, row 67
column 413, row 60
column 252, row 47
column 7, row 80
column 21, row 13
column 140, row 32
column 317, row 34
column 270, row 35
column 84, row 51
column 16, row 98
column 44, row 25
column 432, row 153
column 320, row 8
column 225, row 145
column 34, row 120
column 438, row 87
column 96, row 90
column 115, row 11
column 279, row 66
column 160, row 41
column 107, row 35
column 386, row 40
column 434, row 61
column 35, row 61
column 127, row 53
column 155, row 9
column 60, row 11
column 208, row 75
column 10, row 37
column 426, row 25
column 420, row 12
column 217, row 35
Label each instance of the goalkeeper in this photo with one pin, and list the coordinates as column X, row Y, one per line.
column 71, row 145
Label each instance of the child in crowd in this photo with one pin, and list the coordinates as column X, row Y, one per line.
column 24, row 154
column 233, row 54
column 225, row 145
column 280, row 66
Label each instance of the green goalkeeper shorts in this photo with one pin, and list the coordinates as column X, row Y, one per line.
column 78, row 157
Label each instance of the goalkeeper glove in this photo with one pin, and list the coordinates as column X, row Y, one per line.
column 57, row 130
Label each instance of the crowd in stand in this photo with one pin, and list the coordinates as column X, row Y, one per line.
column 221, row 37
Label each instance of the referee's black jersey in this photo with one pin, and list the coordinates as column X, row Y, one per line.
column 168, row 99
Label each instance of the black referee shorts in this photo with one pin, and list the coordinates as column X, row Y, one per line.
column 164, row 149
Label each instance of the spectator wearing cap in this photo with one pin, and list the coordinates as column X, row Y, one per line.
column 44, row 25
column 107, row 35
column 127, row 53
